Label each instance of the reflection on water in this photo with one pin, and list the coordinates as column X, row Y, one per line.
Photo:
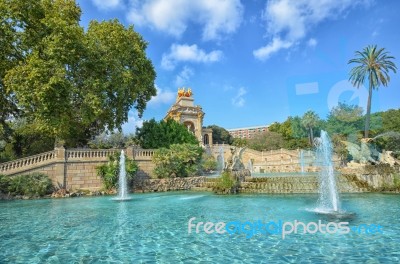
column 153, row 228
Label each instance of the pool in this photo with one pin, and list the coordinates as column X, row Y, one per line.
column 153, row 228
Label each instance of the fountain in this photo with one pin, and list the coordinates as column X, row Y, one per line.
column 122, row 183
column 220, row 160
column 388, row 134
column 328, row 194
column 302, row 161
column 250, row 166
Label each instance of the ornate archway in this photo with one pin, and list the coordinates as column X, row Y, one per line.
column 206, row 139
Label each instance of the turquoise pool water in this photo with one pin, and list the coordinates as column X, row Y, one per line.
column 153, row 228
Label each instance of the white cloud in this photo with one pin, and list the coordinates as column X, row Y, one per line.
column 288, row 22
column 133, row 122
column 265, row 52
column 216, row 17
column 184, row 76
column 108, row 4
column 188, row 53
column 162, row 97
column 312, row 42
column 239, row 100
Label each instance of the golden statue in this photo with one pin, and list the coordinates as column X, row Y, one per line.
column 182, row 92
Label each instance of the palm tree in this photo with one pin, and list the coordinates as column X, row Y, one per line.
column 310, row 120
column 375, row 65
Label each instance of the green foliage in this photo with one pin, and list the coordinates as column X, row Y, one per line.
column 179, row 160
column 226, row 184
column 109, row 172
column 391, row 120
column 208, row 163
column 163, row 134
column 70, row 82
column 240, row 142
column 339, row 148
column 396, row 180
column 35, row 184
column 345, row 120
column 310, row 120
column 293, row 133
column 26, row 140
column 112, row 140
column 374, row 65
column 220, row 135
column 266, row 141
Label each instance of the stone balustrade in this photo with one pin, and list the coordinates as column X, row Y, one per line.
column 143, row 154
column 31, row 161
column 79, row 154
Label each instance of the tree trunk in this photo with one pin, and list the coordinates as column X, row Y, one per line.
column 367, row 116
column 312, row 136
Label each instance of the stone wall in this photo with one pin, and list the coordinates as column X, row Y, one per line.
column 170, row 184
column 374, row 177
column 281, row 160
column 289, row 184
column 83, row 175
column 75, row 169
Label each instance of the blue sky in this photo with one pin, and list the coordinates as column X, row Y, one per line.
column 255, row 62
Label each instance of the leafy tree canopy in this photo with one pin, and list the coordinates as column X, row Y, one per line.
column 70, row 82
column 344, row 119
column 266, row 141
column 180, row 160
column 162, row 134
column 221, row 135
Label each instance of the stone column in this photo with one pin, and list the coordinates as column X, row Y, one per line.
column 130, row 152
column 60, row 178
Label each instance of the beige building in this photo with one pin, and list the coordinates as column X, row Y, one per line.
column 247, row 132
column 186, row 112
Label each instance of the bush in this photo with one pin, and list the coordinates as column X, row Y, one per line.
column 180, row 160
column 4, row 183
column 208, row 163
column 109, row 172
column 226, row 184
column 36, row 184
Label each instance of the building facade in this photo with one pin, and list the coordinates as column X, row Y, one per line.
column 186, row 112
column 247, row 132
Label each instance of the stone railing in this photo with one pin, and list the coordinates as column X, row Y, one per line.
column 143, row 154
column 84, row 154
column 31, row 161
column 294, row 153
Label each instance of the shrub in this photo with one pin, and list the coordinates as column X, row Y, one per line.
column 180, row 160
column 226, row 184
column 35, row 184
column 109, row 172
column 208, row 163
column 4, row 183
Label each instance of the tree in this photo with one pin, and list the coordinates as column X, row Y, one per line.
column 26, row 140
column 266, row 141
column 239, row 142
column 292, row 131
column 220, row 135
column 310, row 120
column 375, row 65
column 163, row 134
column 72, row 84
column 180, row 160
column 108, row 140
column 345, row 120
